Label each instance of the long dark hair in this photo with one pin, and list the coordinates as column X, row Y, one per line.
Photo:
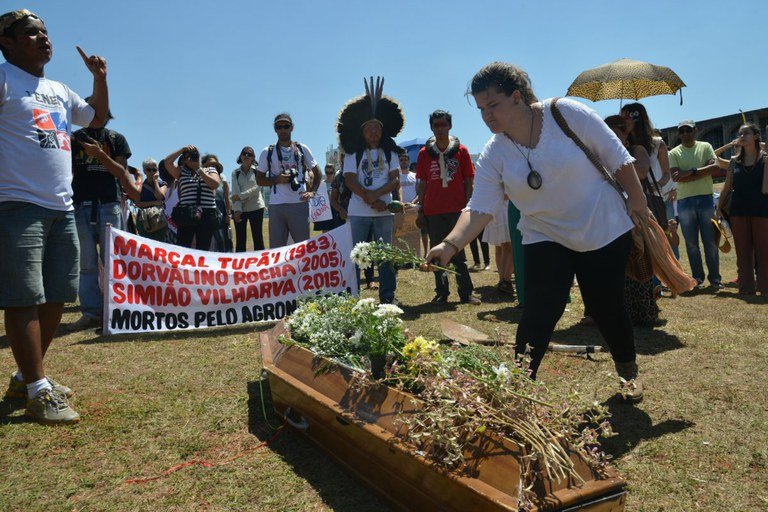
column 756, row 131
column 642, row 130
column 508, row 78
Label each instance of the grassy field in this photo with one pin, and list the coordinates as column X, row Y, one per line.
column 150, row 402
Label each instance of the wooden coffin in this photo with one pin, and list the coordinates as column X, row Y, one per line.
column 358, row 430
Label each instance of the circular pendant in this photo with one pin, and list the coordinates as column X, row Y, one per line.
column 534, row 180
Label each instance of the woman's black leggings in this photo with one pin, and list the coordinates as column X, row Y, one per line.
column 549, row 271
column 256, row 218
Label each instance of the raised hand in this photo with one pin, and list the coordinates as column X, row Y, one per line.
column 95, row 64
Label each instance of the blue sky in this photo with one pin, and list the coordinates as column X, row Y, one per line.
column 214, row 74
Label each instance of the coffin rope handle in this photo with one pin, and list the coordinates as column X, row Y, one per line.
column 298, row 425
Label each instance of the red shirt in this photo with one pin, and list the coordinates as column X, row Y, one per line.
column 453, row 198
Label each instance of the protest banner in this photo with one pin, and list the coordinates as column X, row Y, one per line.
column 320, row 205
column 406, row 234
column 153, row 286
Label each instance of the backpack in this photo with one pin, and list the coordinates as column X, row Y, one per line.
column 302, row 161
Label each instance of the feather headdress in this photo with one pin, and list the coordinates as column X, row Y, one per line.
column 373, row 106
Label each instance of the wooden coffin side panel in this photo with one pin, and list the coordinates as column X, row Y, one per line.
column 490, row 461
column 493, row 467
column 371, row 452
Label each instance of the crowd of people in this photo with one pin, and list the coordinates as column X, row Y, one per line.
column 535, row 194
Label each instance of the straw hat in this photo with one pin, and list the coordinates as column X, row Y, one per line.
column 720, row 237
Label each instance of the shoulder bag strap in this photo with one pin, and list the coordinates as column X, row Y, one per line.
column 655, row 182
column 199, row 192
column 764, row 189
column 561, row 122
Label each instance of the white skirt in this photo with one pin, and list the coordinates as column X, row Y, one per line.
column 497, row 232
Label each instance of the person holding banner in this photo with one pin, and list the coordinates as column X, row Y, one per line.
column 335, row 221
column 196, row 215
column 39, row 266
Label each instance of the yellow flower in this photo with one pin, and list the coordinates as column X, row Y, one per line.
column 420, row 346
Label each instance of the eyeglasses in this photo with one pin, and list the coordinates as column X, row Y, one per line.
column 283, row 127
column 685, row 129
column 247, row 153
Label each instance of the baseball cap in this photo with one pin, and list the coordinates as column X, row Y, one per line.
column 687, row 122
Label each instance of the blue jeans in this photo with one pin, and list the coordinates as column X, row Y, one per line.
column 381, row 229
column 696, row 214
column 91, row 237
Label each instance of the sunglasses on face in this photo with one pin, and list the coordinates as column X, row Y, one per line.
column 282, row 127
column 247, row 153
column 151, row 169
column 685, row 130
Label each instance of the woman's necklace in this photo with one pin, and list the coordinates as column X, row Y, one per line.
column 533, row 178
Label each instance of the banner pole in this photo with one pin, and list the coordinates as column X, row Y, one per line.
column 105, row 281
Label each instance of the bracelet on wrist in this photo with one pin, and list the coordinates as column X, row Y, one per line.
column 452, row 244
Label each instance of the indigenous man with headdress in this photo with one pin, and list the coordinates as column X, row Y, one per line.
column 445, row 172
column 367, row 126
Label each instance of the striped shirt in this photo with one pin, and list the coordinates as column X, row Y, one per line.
column 188, row 185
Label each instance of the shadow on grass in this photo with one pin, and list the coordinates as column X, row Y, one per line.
column 648, row 341
column 191, row 334
column 511, row 314
column 71, row 308
column 411, row 313
column 337, row 490
column 7, row 410
column 635, row 425
column 490, row 295
column 749, row 299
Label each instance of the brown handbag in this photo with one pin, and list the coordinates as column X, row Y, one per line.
column 639, row 266
column 765, row 175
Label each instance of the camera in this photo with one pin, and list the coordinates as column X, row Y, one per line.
column 81, row 136
column 95, row 136
column 294, row 181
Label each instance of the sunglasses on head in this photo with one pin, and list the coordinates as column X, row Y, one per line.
column 282, row 127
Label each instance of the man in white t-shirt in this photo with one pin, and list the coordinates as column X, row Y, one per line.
column 372, row 174
column 293, row 175
column 367, row 126
column 39, row 267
